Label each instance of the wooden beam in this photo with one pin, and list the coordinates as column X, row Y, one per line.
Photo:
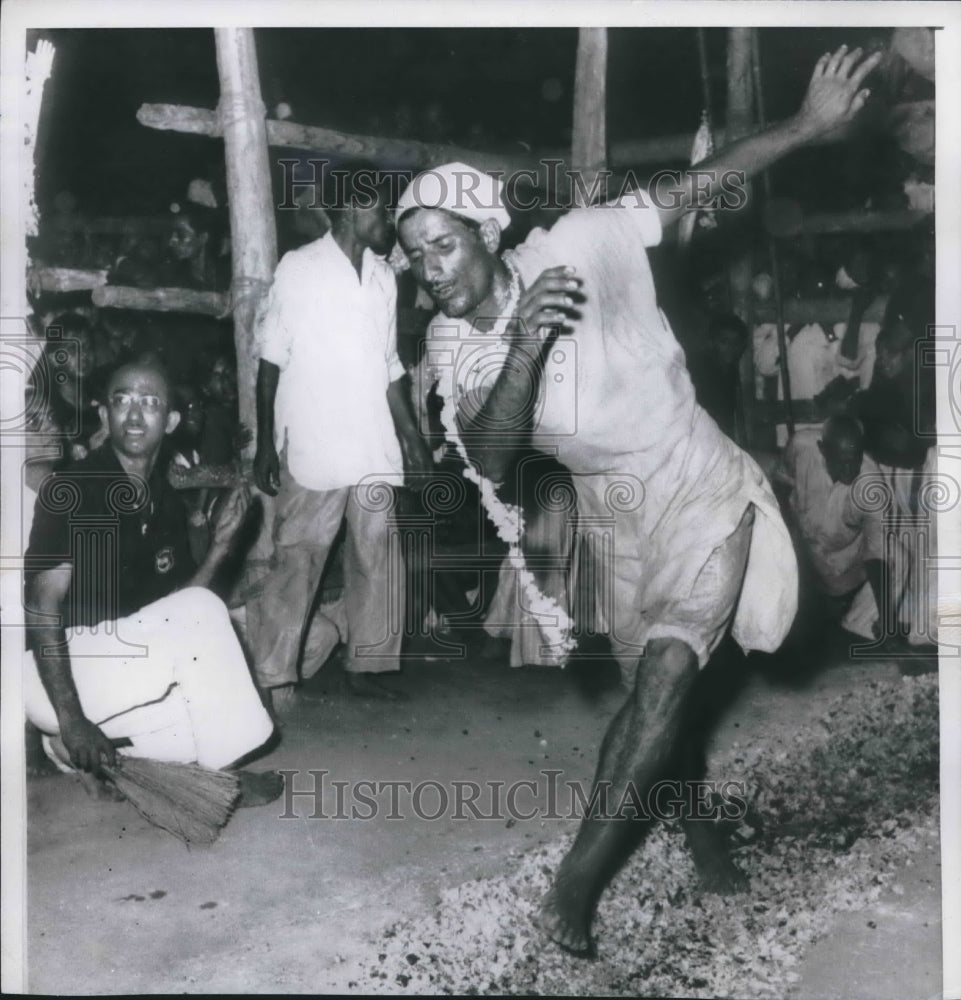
column 589, row 138
column 253, row 231
column 833, row 309
column 325, row 141
column 187, row 300
column 64, row 279
column 784, row 218
column 133, row 225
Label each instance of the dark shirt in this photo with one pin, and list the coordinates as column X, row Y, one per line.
column 126, row 540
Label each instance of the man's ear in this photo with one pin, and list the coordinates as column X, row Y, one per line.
column 173, row 419
column 490, row 231
column 103, row 412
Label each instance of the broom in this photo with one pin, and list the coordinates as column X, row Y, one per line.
column 187, row 800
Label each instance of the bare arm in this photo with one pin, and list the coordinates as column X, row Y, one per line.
column 494, row 432
column 86, row 744
column 417, row 458
column 226, row 520
column 833, row 99
column 266, row 462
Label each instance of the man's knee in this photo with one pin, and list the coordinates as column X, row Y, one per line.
column 673, row 657
column 202, row 603
column 667, row 670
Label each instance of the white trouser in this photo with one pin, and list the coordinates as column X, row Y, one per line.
column 171, row 678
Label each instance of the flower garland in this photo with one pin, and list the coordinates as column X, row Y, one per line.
column 508, row 518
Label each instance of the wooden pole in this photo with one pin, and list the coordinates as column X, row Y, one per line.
column 589, row 143
column 772, row 246
column 252, row 227
column 740, row 122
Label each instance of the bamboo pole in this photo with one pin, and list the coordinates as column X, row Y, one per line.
column 64, row 279
column 324, row 141
column 187, row 300
column 252, row 228
column 623, row 152
column 589, row 139
column 787, row 220
column 772, row 245
column 833, row 309
column 740, row 122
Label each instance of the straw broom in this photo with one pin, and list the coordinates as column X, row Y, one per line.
column 189, row 801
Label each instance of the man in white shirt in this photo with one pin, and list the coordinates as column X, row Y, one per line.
column 833, row 488
column 334, row 430
column 696, row 536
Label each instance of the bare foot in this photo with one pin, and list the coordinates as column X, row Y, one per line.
column 365, row 685
column 566, row 921
column 716, row 870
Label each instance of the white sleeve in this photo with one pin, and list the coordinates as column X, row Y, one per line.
column 395, row 369
column 643, row 212
column 273, row 332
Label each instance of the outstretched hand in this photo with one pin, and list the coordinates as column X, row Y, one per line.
column 835, row 96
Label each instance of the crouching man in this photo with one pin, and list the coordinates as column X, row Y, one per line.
column 840, row 532
column 127, row 642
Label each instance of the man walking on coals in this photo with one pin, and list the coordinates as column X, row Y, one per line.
column 698, row 542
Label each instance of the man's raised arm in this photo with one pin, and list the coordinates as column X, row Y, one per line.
column 833, row 99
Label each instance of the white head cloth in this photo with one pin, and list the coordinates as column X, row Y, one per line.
column 460, row 189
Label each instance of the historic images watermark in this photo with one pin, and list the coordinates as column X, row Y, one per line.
column 308, row 794
column 551, row 187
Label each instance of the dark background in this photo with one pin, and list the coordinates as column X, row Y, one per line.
column 490, row 87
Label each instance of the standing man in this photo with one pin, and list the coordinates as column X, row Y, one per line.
column 696, row 533
column 332, row 416
column 127, row 641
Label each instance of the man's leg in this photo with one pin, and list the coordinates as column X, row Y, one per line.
column 305, row 525
column 638, row 748
column 188, row 697
column 374, row 594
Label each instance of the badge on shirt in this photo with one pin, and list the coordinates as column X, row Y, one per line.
column 164, row 560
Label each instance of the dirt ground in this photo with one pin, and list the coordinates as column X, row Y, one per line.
column 291, row 904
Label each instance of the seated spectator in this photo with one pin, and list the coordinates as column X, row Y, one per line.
column 899, row 417
column 185, row 444
column 140, row 264
column 839, row 540
column 194, row 250
column 63, row 397
column 222, row 438
column 138, row 680
column 715, row 371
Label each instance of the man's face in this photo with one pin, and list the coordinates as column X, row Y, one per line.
column 891, row 358
column 374, row 226
column 842, row 459
column 185, row 242
column 222, row 384
column 137, row 411
column 449, row 260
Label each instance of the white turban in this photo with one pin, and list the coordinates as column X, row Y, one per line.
column 460, row 189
